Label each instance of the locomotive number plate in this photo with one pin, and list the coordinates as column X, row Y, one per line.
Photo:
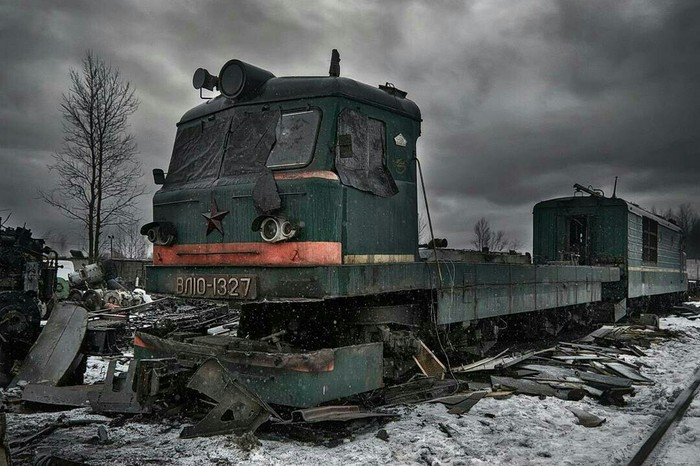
column 216, row 286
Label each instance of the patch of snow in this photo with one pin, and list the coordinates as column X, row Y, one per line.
column 520, row 430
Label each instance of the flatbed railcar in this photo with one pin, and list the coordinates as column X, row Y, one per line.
column 295, row 199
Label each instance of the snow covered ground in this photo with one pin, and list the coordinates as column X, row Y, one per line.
column 520, row 430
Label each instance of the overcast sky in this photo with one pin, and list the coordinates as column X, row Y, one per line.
column 520, row 99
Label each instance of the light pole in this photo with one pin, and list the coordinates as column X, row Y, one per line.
column 111, row 248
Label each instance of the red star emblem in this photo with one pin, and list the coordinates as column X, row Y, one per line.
column 214, row 217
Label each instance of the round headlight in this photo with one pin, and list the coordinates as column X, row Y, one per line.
column 232, row 79
column 287, row 229
column 269, row 230
column 238, row 78
column 202, row 79
column 152, row 234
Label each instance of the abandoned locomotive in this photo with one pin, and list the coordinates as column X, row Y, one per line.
column 296, row 200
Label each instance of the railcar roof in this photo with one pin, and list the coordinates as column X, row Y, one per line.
column 632, row 207
column 295, row 88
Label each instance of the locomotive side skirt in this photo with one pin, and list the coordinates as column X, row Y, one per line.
column 479, row 291
column 300, row 380
column 467, row 291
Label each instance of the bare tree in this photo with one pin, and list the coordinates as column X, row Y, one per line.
column 485, row 237
column 97, row 168
column 57, row 240
column 129, row 243
column 685, row 217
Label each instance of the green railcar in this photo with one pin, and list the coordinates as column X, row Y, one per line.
column 598, row 230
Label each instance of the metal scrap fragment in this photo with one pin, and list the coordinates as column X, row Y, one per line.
column 462, row 403
column 53, row 357
column 334, row 413
column 587, row 419
column 117, row 394
column 428, row 363
column 530, row 387
column 238, row 410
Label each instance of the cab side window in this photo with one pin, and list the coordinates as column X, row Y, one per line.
column 360, row 156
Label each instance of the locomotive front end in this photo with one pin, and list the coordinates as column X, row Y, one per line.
column 277, row 182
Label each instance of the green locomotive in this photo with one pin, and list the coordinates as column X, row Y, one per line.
column 295, row 199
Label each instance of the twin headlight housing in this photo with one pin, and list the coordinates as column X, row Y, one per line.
column 275, row 229
column 160, row 233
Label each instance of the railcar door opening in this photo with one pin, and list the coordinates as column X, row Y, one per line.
column 579, row 239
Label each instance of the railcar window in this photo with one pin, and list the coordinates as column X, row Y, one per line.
column 296, row 139
column 650, row 239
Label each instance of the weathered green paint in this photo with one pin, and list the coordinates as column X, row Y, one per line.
column 365, row 223
column 376, row 225
column 357, row 369
column 353, row 370
column 468, row 291
column 615, row 239
column 477, row 291
column 315, row 202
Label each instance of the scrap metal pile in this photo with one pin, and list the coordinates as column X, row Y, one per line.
column 601, row 365
column 96, row 286
column 185, row 355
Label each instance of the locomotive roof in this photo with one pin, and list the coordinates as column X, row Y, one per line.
column 295, row 88
column 634, row 208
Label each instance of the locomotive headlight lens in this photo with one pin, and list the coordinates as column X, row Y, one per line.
column 152, row 234
column 231, row 79
column 270, row 230
column 275, row 229
column 288, row 229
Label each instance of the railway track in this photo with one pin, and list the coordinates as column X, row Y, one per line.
column 671, row 418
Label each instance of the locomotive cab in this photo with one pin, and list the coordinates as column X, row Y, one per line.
column 284, row 172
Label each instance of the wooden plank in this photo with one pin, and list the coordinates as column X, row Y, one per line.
column 428, row 363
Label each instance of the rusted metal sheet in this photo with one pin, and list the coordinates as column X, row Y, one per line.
column 461, row 403
column 628, row 372
column 334, row 413
column 313, row 361
column 499, row 361
column 238, row 410
column 428, row 363
column 52, row 357
column 297, row 379
column 117, row 394
column 530, row 387
column 74, row 395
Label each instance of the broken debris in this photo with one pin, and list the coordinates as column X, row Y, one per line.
column 237, row 411
column 585, row 418
column 54, row 356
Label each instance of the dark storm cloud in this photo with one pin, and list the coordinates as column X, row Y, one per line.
column 520, row 99
column 562, row 92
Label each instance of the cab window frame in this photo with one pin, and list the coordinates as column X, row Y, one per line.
column 312, row 151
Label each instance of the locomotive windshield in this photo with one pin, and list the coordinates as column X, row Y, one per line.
column 296, row 137
column 241, row 142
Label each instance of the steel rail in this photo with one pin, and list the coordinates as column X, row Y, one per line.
column 682, row 403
